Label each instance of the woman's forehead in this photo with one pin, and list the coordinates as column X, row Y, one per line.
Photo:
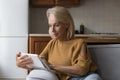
column 52, row 18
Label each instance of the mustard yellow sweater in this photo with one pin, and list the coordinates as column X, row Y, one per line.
column 66, row 53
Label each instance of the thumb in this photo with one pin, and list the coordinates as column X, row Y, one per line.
column 18, row 54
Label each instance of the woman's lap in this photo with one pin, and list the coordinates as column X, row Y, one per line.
column 41, row 75
column 34, row 78
column 92, row 76
column 36, row 75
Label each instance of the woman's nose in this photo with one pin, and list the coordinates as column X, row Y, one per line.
column 53, row 29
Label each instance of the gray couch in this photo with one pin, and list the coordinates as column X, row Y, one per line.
column 107, row 58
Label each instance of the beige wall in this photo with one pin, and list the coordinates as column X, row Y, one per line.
column 102, row 16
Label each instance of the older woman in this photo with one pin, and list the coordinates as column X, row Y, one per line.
column 67, row 56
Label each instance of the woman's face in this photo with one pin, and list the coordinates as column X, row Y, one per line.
column 57, row 29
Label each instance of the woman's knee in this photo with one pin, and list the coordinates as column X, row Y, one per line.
column 29, row 78
column 93, row 77
column 41, row 75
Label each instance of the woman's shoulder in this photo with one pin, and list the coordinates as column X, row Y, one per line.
column 75, row 42
column 52, row 41
column 78, row 40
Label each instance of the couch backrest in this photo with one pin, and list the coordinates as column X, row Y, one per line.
column 107, row 59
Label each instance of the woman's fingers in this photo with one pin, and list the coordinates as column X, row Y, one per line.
column 18, row 55
column 23, row 60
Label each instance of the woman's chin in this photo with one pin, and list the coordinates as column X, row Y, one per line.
column 53, row 37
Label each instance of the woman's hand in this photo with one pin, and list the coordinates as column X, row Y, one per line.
column 23, row 61
column 69, row 70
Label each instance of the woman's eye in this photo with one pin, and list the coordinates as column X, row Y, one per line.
column 57, row 25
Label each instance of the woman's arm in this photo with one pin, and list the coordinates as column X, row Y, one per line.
column 83, row 51
column 69, row 70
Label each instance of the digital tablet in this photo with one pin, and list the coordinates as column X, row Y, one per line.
column 38, row 63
